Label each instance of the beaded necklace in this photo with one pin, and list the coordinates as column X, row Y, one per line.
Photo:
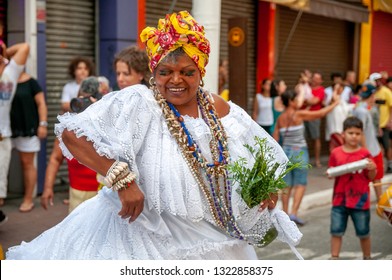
column 218, row 193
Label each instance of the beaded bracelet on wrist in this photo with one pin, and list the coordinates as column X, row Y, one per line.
column 114, row 171
column 111, row 167
column 124, row 183
column 118, row 174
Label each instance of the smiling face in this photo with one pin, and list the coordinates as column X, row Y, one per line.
column 177, row 79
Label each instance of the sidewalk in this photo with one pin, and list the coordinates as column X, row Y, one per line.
column 26, row 226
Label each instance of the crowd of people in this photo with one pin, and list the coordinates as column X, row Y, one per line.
column 347, row 106
column 117, row 145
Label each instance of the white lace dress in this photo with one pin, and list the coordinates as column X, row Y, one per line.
column 176, row 223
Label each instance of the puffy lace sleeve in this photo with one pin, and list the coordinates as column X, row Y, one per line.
column 116, row 124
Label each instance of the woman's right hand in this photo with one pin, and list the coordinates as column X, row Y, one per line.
column 132, row 201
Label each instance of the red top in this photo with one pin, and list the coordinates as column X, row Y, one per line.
column 350, row 190
column 81, row 177
column 320, row 94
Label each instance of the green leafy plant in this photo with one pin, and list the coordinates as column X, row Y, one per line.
column 258, row 182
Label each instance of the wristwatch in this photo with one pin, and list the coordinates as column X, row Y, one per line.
column 43, row 123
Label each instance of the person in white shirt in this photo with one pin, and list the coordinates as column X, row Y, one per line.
column 335, row 119
column 262, row 106
column 10, row 70
column 79, row 68
column 346, row 93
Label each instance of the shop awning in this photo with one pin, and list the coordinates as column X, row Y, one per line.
column 294, row 4
column 382, row 5
column 350, row 10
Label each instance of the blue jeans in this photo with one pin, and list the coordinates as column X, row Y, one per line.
column 298, row 176
column 360, row 218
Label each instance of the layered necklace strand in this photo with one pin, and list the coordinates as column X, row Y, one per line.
column 219, row 200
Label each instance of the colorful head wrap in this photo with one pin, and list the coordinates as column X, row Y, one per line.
column 176, row 31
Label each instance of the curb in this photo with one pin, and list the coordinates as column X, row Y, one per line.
column 316, row 199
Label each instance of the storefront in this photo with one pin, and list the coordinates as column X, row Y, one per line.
column 317, row 35
column 318, row 44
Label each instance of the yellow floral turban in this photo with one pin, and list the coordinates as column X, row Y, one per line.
column 176, row 31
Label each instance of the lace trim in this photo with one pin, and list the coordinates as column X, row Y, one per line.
column 288, row 231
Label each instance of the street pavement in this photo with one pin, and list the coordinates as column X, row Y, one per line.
column 315, row 243
column 314, row 209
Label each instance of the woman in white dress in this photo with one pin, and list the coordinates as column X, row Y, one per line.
column 164, row 152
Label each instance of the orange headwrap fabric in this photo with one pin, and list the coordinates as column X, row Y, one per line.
column 177, row 30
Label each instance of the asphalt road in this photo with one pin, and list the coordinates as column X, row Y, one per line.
column 315, row 243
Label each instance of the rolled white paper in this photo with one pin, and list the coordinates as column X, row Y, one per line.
column 347, row 168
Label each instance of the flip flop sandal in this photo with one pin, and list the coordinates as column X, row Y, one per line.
column 24, row 208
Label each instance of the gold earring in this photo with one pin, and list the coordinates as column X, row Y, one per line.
column 201, row 83
column 152, row 82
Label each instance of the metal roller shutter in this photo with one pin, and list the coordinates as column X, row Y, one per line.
column 318, row 43
column 381, row 43
column 247, row 9
column 156, row 9
column 70, row 31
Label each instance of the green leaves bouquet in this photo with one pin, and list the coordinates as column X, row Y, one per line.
column 257, row 183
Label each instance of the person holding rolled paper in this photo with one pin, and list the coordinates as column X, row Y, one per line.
column 351, row 195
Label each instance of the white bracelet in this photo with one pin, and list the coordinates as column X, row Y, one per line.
column 124, row 183
column 117, row 171
column 111, row 167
